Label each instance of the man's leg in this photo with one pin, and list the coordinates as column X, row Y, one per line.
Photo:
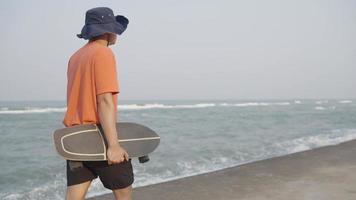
column 78, row 191
column 123, row 194
column 79, row 178
column 117, row 177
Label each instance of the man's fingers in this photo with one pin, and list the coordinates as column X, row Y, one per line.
column 118, row 159
column 127, row 156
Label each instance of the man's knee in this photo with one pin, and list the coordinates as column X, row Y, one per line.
column 78, row 191
column 124, row 193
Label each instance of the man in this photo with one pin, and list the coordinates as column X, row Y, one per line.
column 92, row 92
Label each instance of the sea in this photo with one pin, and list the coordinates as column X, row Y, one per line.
column 197, row 136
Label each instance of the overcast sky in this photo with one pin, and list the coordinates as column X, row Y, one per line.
column 188, row 49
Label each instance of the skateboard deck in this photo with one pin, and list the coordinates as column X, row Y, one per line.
column 87, row 142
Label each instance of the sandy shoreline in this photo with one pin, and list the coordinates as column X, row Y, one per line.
column 325, row 173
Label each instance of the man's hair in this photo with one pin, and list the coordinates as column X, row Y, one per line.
column 97, row 37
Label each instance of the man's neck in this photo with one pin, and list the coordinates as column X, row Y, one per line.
column 101, row 42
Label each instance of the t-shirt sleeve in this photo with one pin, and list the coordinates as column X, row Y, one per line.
column 105, row 75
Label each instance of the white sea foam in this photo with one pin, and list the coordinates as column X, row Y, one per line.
column 247, row 104
column 252, row 104
column 191, row 168
column 262, row 104
column 28, row 110
column 53, row 190
column 187, row 168
column 156, row 105
column 345, row 101
column 319, row 108
column 311, row 142
column 31, row 110
column 322, row 102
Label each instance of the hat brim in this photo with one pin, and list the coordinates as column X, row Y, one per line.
column 93, row 30
column 122, row 20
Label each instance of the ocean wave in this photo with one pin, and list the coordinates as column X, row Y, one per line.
column 151, row 106
column 319, row 108
column 322, row 102
column 51, row 190
column 30, row 110
column 26, row 110
column 191, row 168
column 55, row 190
column 310, row 142
column 345, row 101
column 6, row 110
column 256, row 104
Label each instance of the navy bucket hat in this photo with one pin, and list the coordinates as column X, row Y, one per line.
column 102, row 20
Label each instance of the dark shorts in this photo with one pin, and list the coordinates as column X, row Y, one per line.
column 115, row 176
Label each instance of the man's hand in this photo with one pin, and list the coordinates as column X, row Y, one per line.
column 116, row 154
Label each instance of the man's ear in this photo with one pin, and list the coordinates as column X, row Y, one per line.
column 107, row 38
column 112, row 39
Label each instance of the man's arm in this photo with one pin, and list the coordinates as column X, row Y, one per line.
column 106, row 112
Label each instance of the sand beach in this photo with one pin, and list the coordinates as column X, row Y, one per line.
column 325, row 173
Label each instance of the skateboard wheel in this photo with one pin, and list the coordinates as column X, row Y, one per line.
column 143, row 159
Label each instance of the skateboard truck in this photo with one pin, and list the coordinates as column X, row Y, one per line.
column 143, row 159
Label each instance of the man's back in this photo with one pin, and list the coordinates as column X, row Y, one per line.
column 91, row 71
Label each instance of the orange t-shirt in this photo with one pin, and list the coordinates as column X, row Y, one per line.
column 91, row 71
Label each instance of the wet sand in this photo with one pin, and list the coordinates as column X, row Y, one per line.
column 326, row 173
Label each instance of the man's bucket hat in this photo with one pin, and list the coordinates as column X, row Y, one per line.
column 102, row 20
